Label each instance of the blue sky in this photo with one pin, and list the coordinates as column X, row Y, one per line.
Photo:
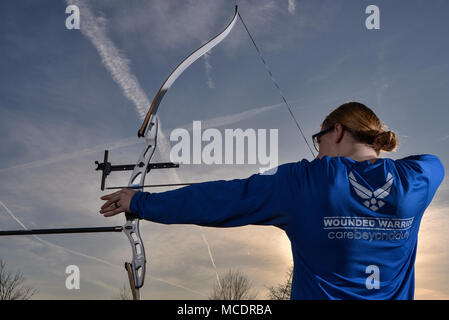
column 61, row 106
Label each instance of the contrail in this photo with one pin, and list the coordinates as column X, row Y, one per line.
column 291, row 6
column 88, row 256
column 222, row 121
column 211, row 257
column 164, row 146
column 208, row 67
column 52, row 244
column 116, row 63
column 178, row 286
column 73, row 155
column 216, row 122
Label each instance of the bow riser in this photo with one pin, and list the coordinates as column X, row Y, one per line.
column 131, row 227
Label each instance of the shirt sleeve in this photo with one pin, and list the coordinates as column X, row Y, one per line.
column 262, row 199
column 431, row 170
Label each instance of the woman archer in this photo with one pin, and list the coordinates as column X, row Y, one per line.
column 351, row 216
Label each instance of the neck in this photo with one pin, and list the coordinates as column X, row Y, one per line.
column 361, row 153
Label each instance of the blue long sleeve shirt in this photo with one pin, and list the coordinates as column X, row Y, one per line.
column 353, row 226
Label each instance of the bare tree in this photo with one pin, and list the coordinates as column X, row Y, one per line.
column 11, row 285
column 234, row 285
column 124, row 294
column 283, row 290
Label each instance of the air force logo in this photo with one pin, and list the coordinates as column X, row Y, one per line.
column 372, row 199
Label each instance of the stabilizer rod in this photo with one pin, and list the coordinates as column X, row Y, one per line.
column 61, row 231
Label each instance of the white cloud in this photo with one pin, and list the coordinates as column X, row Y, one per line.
column 208, row 67
column 291, row 6
column 115, row 61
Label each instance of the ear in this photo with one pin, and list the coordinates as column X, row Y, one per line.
column 338, row 131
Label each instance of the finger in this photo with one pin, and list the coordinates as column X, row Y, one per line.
column 114, row 212
column 110, row 201
column 109, row 196
column 109, row 208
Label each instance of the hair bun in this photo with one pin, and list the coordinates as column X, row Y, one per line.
column 385, row 141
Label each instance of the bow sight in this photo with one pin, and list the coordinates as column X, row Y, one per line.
column 106, row 168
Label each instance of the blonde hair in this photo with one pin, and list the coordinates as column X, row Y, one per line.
column 364, row 125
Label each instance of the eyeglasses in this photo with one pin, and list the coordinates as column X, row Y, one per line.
column 316, row 138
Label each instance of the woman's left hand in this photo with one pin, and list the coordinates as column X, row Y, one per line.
column 117, row 202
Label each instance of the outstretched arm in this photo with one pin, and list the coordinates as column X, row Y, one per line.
column 259, row 199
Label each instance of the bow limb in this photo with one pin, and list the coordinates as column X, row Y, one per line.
column 195, row 55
